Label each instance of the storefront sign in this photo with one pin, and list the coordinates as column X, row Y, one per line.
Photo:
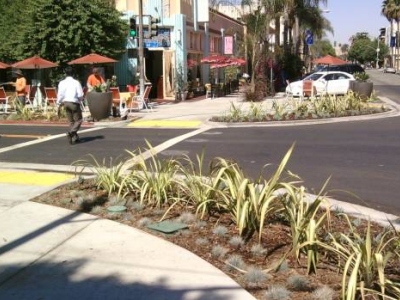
column 228, row 45
column 202, row 11
column 163, row 39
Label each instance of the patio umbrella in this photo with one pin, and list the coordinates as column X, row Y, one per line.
column 329, row 60
column 235, row 61
column 220, row 65
column 34, row 62
column 215, row 59
column 92, row 58
column 4, row 66
column 191, row 63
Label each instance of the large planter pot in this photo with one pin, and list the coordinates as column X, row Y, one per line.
column 364, row 89
column 99, row 104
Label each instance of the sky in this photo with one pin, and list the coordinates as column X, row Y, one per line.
column 350, row 16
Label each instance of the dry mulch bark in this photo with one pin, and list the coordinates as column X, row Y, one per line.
column 276, row 239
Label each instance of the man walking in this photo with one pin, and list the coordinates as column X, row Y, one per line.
column 70, row 94
column 20, row 85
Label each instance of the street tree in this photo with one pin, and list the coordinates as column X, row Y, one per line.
column 391, row 10
column 64, row 30
column 363, row 49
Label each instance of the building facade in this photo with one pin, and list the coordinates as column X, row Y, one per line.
column 172, row 58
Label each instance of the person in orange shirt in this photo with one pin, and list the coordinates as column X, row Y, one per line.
column 95, row 79
column 20, row 85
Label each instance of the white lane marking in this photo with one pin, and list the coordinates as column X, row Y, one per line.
column 163, row 146
column 34, row 142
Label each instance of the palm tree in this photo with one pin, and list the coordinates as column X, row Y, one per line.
column 391, row 10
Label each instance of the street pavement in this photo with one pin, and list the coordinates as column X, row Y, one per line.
column 386, row 84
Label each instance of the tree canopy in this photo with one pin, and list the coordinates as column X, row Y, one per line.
column 60, row 30
column 363, row 49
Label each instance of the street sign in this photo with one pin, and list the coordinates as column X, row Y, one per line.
column 393, row 41
column 309, row 37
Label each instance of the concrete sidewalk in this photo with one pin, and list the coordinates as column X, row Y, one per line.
column 49, row 252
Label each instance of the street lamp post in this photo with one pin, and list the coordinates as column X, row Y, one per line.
column 377, row 55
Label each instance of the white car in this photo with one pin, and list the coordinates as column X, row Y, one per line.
column 336, row 83
column 389, row 70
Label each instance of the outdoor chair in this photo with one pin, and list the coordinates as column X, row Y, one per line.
column 121, row 102
column 143, row 101
column 30, row 95
column 51, row 98
column 309, row 89
column 208, row 90
column 3, row 100
column 132, row 89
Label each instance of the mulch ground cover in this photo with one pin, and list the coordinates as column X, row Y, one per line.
column 200, row 239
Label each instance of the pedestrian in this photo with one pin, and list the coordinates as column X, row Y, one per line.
column 20, row 85
column 70, row 94
column 95, row 80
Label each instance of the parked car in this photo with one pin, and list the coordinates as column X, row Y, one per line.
column 347, row 68
column 336, row 83
column 389, row 70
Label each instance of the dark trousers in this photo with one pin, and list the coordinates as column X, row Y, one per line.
column 22, row 100
column 74, row 115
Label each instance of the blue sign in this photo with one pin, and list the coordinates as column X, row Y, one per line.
column 393, row 41
column 309, row 37
column 163, row 39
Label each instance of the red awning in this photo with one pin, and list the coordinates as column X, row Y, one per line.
column 215, row 59
column 329, row 60
column 92, row 58
column 4, row 65
column 34, row 62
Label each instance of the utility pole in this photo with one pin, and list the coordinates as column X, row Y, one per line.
column 141, row 52
column 377, row 54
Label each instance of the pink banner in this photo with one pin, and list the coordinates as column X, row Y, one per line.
column 228, row 45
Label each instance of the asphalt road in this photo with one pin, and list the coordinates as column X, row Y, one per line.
column 362, row 157
column 386, row 84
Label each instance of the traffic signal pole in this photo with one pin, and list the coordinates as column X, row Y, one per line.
column 141, row 52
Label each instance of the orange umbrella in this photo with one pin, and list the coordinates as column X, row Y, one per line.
column 92, row 58
column 4, row 66
column 329, row 60
column 34, row 62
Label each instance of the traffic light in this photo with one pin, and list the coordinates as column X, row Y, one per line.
column 153, row 27
column 132, row 27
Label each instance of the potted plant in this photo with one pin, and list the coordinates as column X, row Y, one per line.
column 100, row 102
column 180, row 89
column 361, row 85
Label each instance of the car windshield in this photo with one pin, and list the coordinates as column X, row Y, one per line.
column 313, row 77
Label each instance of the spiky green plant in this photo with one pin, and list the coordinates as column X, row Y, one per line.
column 323, row 293
column 220, row 230
column 298, row 283
column 235, row 263
column 186, row 218
column 258, row 250
column 236, row 242
column 255, row 277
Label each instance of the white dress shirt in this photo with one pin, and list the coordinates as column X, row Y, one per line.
column 69, row 90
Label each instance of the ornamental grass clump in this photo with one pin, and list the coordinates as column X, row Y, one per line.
column 235, row 263
column 98, row 210
column 255, row 277
column 236, row 242
column 137, row 206
column 143, row 222
column 277, row 292
column 258, row 250
column 200, row 224
column 298, row 283
column 186, row 218
column 323, row 293
column 220, row 230
column 218, row 251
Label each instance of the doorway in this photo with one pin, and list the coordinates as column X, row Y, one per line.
column 154, row 72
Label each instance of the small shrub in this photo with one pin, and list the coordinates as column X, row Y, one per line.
column 158, row 212
column 115, row 200
column 284, row 267
column 236, row 242
column 90, row 197
column 186, row 218
column 356, row 222
column 218, row 251
column 235, row 262
column 76, row 193
column 185, row 232
column 255, row 277
column 200, row 224
column 202, row 241
column 258, row 250
column 80, row 202
column 298, row 283
column 66, row 201
column 137, row 206
column 220, row 230
column 323, row 293
column 143, row 222
column 277, row 292
column 128, row 217
column 97, row 210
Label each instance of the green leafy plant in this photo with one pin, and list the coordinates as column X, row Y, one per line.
column 361, row 76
